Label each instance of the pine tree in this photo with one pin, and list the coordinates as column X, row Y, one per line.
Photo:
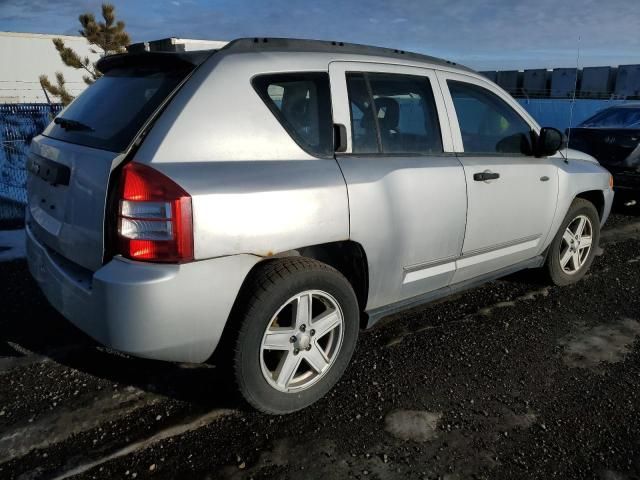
column 106, row 38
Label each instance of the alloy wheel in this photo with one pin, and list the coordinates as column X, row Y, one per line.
column 302, row 341
column 576, row 244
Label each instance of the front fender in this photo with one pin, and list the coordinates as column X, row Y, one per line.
column 577, row 177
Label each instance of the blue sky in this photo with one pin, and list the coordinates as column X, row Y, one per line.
column 484, row 34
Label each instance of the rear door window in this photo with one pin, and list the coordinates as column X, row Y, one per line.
column 487, row 123
column 302, row 104
column 392, row 113
column 364, row 133
column 109, row 113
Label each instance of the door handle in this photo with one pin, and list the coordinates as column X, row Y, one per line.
column 544, row 179
column 339, row 138
column 484, row 176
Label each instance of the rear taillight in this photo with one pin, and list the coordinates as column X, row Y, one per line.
column 154, row 217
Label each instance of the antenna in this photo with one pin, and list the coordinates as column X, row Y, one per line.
column 573, row 102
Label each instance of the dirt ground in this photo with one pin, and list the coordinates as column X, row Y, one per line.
column 515, row 379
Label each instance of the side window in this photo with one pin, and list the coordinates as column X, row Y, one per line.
column 393, row 113
column 487, row 123
column 363, row 125
column 302, row 104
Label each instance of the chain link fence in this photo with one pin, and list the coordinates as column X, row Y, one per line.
column 19, row 123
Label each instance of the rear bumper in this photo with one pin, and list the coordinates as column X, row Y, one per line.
column 164, row 312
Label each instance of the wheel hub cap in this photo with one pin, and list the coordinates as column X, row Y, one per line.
column 302, row 341
column 576, row 243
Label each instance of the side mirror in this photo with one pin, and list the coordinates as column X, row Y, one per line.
column 548, row 142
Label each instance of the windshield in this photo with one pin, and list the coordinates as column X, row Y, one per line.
column 621, row 117
column 110, row 113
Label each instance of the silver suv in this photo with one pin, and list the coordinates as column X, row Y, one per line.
column 269, row 199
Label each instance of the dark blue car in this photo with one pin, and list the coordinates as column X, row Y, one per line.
column 613, row 137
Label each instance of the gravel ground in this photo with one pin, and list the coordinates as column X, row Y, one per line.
column 515, row 379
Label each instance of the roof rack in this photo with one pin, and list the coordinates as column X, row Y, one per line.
column 327, row 46
column 240, row 45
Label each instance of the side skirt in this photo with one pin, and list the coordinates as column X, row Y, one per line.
column 377, row 314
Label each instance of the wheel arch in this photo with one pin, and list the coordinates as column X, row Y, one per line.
column 592, row 195
column 350, row 259
column 347, row 257
column 596, row 197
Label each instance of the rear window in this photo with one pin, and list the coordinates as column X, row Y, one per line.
column 302, row 104
column 114, row 108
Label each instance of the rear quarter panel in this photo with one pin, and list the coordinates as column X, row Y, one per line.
column 263, row 207
column 254, row 189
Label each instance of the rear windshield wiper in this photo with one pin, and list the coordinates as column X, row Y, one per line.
column 69, row 124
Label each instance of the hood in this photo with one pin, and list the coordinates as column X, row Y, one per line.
column 571, row 154
column 613, row 147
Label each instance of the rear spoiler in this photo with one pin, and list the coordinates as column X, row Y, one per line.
column 168, row 60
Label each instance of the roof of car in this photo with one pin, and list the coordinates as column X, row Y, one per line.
column 242, row 45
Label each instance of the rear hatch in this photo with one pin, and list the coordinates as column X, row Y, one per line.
column 71, row 163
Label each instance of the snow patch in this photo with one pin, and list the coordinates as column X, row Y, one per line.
column 601, row 344
column 62, row 423
column 532, row 295
column 523, row 421
column 174, row 431
column 415, row 425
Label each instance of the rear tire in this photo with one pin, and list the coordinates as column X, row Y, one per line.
column 573, row 249
column 298, row 322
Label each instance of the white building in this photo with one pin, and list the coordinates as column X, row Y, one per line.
column 26, row 56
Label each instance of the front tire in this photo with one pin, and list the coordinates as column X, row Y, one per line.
column 298, row 327
column 573, row 249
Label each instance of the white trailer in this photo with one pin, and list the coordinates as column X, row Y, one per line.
column 26, row 56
